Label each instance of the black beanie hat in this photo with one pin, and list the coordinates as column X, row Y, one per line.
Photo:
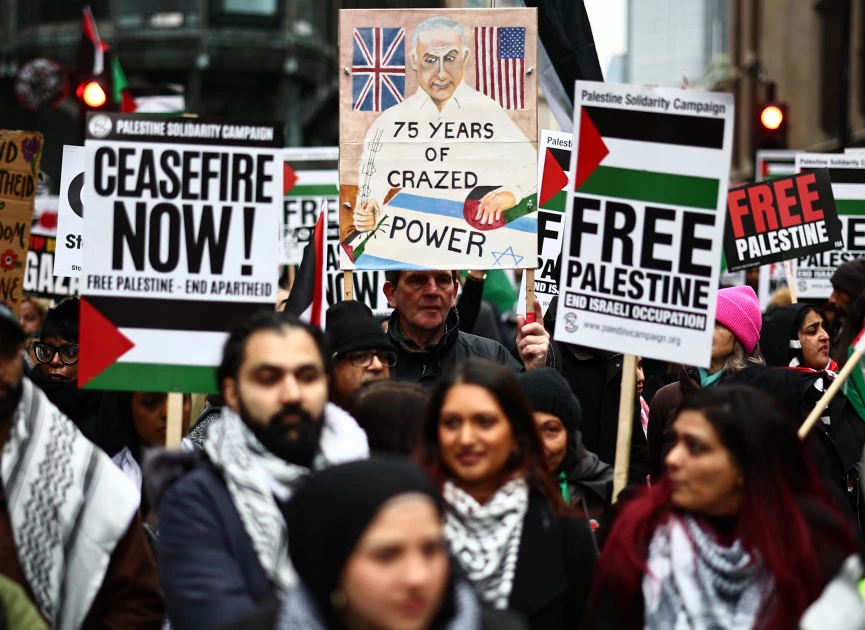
column 549, row 392
column 850, row 277
column 350, row 326
column 330, row 513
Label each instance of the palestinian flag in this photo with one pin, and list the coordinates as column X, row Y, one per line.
column 308, row 181
column 854, row 386
column 307, row 298
column 94, row 47
column 554, row 179
column 848, row 188
column 613, row 145
column 771, row 164
column 148, row 342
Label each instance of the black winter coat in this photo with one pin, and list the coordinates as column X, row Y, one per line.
column 425, row 367
column 596, row 380
column 554, row 568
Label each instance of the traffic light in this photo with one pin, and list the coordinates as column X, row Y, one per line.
column 772, row 122
column 94, row 93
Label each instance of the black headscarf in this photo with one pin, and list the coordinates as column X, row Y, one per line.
column 330, row 513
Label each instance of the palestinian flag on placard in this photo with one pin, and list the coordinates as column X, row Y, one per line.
column 613, row 149
column 309, row 178
column 854, row 386
column 144, row 344
column 771, row 164
column 307, row 299
column 554, row 179
column 848, row 188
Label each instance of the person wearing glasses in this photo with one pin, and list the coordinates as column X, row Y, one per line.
column 56, row 372
column 361, row 351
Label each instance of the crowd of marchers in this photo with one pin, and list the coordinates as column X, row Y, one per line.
column 407, row 474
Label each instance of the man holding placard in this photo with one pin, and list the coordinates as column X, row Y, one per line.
column 424, row 327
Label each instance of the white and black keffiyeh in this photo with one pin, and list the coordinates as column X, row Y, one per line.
column 694, row 583
column 298, row 610
column 485, row 539
column 68, row 505
column 250, row 471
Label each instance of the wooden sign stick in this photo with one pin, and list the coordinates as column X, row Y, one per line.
column 530, row 296
column 791, row 285
column 626, row 424
column 174, row 425
column 348, row 284
column 829, row 394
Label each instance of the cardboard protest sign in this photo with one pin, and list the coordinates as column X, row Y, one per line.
column 645, row 221
column 20, row 155
column 39, row 279
column 180, row 223
column 310, row 179
column 70, row 219
column 780, row 219
column 438, row 158
column 554, row 162
column 812, row 273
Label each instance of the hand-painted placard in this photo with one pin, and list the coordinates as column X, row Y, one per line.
column 180, row 248
column 20, row 155
column 438, row 137
column 812, row 273
column 70, row 220
column 645, row 221
column 781, row 219
column 554, row 162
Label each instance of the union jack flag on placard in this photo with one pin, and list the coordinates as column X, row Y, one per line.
column 378, row 68
column 500, row 64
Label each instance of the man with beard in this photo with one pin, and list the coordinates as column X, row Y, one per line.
column 222, row 539
column 70, row 534
column 360, row 349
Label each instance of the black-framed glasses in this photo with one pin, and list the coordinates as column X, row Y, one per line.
column 68, row 354
column 363, row 358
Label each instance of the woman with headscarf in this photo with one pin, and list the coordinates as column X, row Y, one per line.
column 367, row 542
column 737, row 534
column 505, row 520
column 735, row 346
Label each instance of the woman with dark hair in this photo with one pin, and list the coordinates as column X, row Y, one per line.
column 368, row 545
column 504, row 516
column 737, row 534
column 389, row 412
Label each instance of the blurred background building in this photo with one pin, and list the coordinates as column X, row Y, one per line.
column 258, row 59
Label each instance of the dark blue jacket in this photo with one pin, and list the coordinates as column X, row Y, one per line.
column 210, row 573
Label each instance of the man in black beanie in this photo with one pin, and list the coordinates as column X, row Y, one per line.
column 362, row 352
column 848, row 282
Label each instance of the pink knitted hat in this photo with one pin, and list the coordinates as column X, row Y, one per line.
column 739, row 310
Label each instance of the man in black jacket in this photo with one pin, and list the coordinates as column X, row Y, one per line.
column 424, row 327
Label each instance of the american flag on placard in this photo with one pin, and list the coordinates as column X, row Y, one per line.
column 500, row 64
column 378, row 68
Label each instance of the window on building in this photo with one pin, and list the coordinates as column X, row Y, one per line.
column 253, row 12
column 36, row 12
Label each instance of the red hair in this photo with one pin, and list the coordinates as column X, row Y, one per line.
column 771, row 524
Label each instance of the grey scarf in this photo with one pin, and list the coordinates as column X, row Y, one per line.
column 694, row 583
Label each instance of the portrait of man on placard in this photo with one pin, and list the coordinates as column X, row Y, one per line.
column 472, row 147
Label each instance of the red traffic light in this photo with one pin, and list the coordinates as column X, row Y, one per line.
column 772, row 117
column 92, row 94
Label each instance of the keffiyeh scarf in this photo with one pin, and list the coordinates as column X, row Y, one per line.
column 694, row 583
column 250, row 471
column 485, row 539
column 68, row 506
column 299, row 611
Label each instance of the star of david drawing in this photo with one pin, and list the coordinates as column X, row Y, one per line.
column 509, row 252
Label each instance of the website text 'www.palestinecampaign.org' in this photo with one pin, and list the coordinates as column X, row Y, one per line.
column 639, row 334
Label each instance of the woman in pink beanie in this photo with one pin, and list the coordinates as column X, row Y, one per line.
column 734, row 347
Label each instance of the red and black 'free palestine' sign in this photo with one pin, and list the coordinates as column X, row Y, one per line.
column 781, row 219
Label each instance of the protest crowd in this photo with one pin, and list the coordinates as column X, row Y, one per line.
column 626, row 440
